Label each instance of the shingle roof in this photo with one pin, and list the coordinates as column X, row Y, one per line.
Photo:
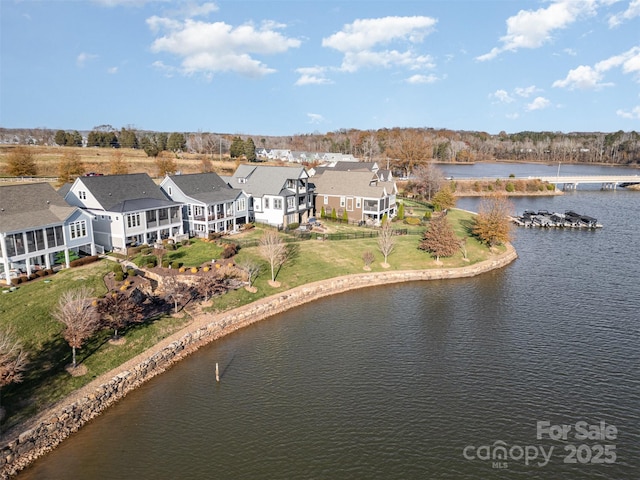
column 31, row 205
column 205, row 187
column 265, row 180
column 357, row 184
column 116, row 193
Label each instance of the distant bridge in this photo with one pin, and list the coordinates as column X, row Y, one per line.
column 608, row 182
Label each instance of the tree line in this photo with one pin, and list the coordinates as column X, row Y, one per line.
column 400, row 147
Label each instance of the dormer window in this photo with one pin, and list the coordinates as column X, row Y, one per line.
column 242, row 180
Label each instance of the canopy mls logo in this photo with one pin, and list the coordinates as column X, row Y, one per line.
column 500, row 454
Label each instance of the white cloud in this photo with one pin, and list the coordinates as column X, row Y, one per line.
column 512, row 116
column 218, row 47
column 526, row 92
column 112, row 70
column 315, row 118
column 633, row 114
column 586, row 77
column 312, row 76
column 83, row 58
column 632, row 11
column 534, row 28
column 502, row 96
column 363, row 42
column 421, row 79
column 539, row 103
column 125, row 3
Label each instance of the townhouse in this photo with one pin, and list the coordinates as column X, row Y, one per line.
column 361, row 194
column 209, row 203
column 39, row 229
column 127, row 210
column 280, row 196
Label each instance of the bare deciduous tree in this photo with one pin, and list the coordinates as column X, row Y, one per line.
column 428, row 180
column 79, row 316
column 13, row 361
column 251, row 268
column 118, row 310
column 274, row 250
column 367, row 258
column 175, row 291
column 386, row 240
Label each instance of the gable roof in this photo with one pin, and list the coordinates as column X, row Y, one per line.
column 356, row 184
column 205, row 187
column 126, row 193
column 31, row 205
column 265, row 180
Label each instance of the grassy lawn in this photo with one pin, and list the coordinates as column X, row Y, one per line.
column 27, row 310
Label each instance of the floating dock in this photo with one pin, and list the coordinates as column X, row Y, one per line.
column 546, row 219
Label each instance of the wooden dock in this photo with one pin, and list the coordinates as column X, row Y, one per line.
column 546, row 219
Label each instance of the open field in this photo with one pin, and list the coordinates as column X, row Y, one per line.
column 28, row 308
column 99, row 160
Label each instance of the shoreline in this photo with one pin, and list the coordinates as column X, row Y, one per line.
column 41, row 434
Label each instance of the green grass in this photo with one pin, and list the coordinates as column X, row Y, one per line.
column 28, row 309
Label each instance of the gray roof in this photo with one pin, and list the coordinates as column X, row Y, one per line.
column 356, row 184
column 30, row 206
column 126, row 193
column 206, row 187
column 266, row 180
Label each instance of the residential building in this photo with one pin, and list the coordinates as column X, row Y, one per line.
column 360, row 194
column 38, row 229
column 209, row 203
column 279, row 195
column 128, row 210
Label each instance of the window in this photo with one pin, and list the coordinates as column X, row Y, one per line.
column 82, row 195
column 291, row 202
column 170, row 191
column 133, row 220
column 358, row 202
column 266, row 203
column 241, row 204
column 342, row 200
column 277, row 203
column 326, row 199
column 79, row 229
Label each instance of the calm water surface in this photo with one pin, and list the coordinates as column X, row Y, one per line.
column 395, row 382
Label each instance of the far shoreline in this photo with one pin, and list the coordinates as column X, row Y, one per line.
column 44, row 431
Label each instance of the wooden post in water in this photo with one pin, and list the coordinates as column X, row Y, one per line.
column 217, row 373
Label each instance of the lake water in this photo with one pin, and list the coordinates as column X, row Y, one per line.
column 409, row 381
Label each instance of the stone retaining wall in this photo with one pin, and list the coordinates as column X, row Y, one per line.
column 46, row 433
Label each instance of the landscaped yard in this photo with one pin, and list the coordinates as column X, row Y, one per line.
column 28, row 309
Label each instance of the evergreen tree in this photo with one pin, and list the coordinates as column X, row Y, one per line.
column 237, row 148
column 176, row 142
column 60, row 138
column 250, row 150
column 401, row 211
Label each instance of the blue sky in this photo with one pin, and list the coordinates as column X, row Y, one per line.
column 290, row 67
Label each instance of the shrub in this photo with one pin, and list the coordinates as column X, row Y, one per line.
column 83, row 261
column 214, row 236
column 368, row 258
column 165, row 263
column 147, row 260
column 181, row 269
column 40, row 273
column 194, row 269
column 427, row 215
column 16, row 281
column 206, row 269
column 145, row 250
column 170, row 246
column 510, row 187
column 32, row 276
column 175, row 264
column 50, row 271
column 230, row 249
column 124, row 287
column 119, row 276
column 186, row 242
column 131, row 272
column 551, row 186
column 248, row 226
column 293, row 226
column 412, row 221
column 116, row 268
